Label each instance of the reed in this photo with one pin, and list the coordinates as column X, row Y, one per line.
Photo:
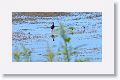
column 16, row 56
column 23, row 55
column 64, row 49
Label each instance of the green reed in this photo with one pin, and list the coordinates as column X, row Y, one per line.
column 16, row 55
column 49, row 55
column 23, row 55
column 63, row 49
column 67, row 51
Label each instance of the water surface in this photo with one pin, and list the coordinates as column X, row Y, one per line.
column 32, row 30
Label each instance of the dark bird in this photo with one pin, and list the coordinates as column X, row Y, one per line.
column 29, row 35
column 83, row 29
column 52, row 27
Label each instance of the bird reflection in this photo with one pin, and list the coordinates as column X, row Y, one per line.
column 53, row 37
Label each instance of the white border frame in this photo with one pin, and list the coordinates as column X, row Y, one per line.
column 104, row 67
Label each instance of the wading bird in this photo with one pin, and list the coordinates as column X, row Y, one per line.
column 83, row 29
column 52, row 27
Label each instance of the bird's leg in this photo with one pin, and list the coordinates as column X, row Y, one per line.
column 52, row 30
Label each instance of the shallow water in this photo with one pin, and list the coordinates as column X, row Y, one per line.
column 35, row 34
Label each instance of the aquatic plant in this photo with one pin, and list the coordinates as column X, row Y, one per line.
column 67, row 51
column 23, row 55
column 66, row 40
column 81, row 60
column 49, row 55
column 63, row 49
column 26, row 53
column 71, row 28
column 16, row 55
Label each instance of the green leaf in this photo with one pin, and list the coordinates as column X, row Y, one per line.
column 71, row 28
column 80, row 60
column 16, row 56
column 26, row 53
column 74, row 52
column 67, row 39
column 50, row 56
column 25, row 50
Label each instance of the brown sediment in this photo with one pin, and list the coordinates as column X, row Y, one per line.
column 44, row 14
column 17, row 16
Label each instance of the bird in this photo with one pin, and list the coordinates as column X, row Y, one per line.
column 52, row 27
column 83, row 29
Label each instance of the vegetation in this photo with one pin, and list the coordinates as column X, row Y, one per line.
column 23, row 55
column 63, row 49
column 81, row 60
column 49, row 55
column 16, row 56
column 71, row 28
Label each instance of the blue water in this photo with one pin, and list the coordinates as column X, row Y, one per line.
column 35, row 35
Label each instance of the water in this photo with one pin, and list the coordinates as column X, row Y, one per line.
column 35, row 34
